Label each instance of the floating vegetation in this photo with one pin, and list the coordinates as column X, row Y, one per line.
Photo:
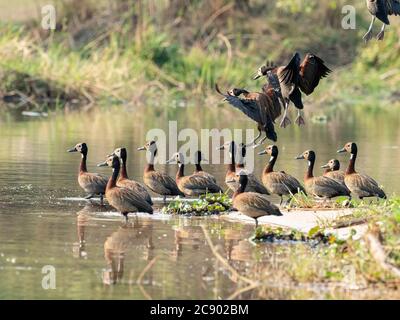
column 208, row 204
column 315, row 236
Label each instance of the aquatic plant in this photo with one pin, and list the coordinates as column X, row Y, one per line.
column 208, row 204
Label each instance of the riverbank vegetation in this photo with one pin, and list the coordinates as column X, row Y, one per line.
column 106, row 52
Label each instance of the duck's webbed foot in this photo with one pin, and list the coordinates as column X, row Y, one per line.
column 368, row 36
column 285, row 122
column 300, row 121
column 381, row 35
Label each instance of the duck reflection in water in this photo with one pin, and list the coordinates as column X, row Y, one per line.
column 190, row 236
column 116, row 246
column 83, row 218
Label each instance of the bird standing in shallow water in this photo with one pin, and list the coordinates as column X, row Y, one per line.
column 321, row 187
column 124, row 181
column 296, row 76
column 252, row 204
column 92, row 183
column 332, row 170
column 193, row 185
column 123, row 199
column 381, row 9
column 158, row 182
column 360, row 184
column 278, row 182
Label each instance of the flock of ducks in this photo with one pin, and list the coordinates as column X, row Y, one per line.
column 285, row 85
column 250, row 194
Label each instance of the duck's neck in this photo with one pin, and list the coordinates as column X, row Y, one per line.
column 328, row 170
column 310, row 169
column 240, row 190
column 270, row 166
column 150, row 165
column 112, row 181
column 124, row 174
column 240, row 166
column 198, row 167
column 231, row 166
column 352, row 164
column 82, row 167
column 181, row 171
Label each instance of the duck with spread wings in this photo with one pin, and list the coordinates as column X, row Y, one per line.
column 257, row 106
column 294, row 78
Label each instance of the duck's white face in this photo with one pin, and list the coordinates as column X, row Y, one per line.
column 117, row 152
column 79, row 147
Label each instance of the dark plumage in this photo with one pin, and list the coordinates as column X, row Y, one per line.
column 123, row 199
column 231, row 179
column 279, row 183
column 198, row 157
column 158, row 182
column 193, row 185
column 257, row 106
column 252, row 204
column 92, row 183
column 332, row 170
column 359, row 184
column 124, row 181
column 321, row 187
column 295, row 76
column 381, row 9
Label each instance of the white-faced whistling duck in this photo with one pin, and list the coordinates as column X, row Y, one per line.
column 278, row 182
column 231, row 179
column 258, row 107
column 252, row 204
column 198, row 157
column 253, row 184
column 123, row 199
column 321, row 187
column 332, row 170
column 359, row 184
column 193, row 185
column 92, row 183
column 296, row 76
column 231, row 171
column 158, row 182
column 381, row 9
column 124, row 181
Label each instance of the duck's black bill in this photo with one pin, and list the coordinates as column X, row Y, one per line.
column 141, row 149
column 262, row 153
column 103, row 164
column 341, row 150
column 72, row 150
column 221, row 147
column 299, row 157
column 325, row 166
column 257, row 76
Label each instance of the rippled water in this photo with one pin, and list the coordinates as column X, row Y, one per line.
column 96, row 256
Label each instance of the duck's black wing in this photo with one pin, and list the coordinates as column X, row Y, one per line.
column 393, row 7
column 379, row 9
column 312, row 70
column 249, row 107
column 274, row 83
column 290, row 74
